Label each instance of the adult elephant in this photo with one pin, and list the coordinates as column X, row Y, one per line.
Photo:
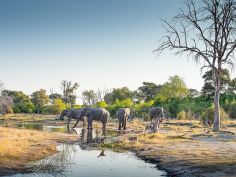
column 156, row 114
column 97, row 114
column 122, row 115
column 77, row 114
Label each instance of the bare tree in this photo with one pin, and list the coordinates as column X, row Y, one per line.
column 6, row 101
column 101, row 93
column 89, row 97
column 206, row 31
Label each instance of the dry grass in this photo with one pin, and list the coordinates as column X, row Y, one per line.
column 27, row 117
column 185, row 145
column 18, row 147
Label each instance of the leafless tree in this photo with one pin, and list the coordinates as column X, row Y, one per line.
column 89, row 97
column 6, row 101
column 206, row 31
column 101, row 93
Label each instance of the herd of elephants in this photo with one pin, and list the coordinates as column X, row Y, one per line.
column 156, row 115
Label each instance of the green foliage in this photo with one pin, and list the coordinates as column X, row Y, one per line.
column 182, row 115
column 56, row 108
column 149, row 90
column 146, row 117
column 208, row 88
column 175, row 88
column 75, row 106
column 21, row 101
column 39, row 98
column 142, row 107
column 102, row 104
column 209, row 115
column 126, row 103
column 118, row 94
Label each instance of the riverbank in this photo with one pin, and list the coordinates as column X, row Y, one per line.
column 184, row 148
column 19, row 147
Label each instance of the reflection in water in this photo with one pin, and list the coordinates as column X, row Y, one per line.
column 72, row 161
column 88, row 136
column 102, row 154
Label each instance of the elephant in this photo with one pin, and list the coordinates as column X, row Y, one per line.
column 77, row 114
column 98, row 114
column 156, row 113
column 123, row 114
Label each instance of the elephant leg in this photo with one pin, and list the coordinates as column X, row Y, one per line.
column 84, row 123
column 68, row 124
column 103, row 129
column 77, row 121
column 158, row 123
column 119, row 126
column 90, row 122
column 124, row 124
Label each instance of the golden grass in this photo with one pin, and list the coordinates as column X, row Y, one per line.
column 18, row 147
column 27, row 117
column 184, row 143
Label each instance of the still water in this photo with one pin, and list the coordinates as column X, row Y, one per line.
column 75, row 161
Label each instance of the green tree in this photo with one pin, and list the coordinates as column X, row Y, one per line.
column 137, row 96
column 208, row 88
column 118, row 94
column 68, row 89
column 39, row 99
column 58, row 106
column 101, row 104
column 232, row 86
column 174, row 88
column 21, row 101
column 54, row 96
column 149, row 90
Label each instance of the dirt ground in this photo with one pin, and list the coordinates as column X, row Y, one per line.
column 184, row 148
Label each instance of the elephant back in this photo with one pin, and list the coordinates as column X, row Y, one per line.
column 99, row 114
column 156, row 112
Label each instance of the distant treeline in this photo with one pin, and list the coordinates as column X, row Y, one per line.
column 177, row 100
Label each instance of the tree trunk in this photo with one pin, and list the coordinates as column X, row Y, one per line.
column 216, row 124
column 216, row 79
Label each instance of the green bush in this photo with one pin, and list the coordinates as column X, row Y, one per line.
column 182, row 115
column 127, row 103
column 145, row 117
column 208, row 115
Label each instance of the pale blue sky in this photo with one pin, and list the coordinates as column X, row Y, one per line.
column 98, row 43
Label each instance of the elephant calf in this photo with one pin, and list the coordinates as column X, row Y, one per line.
column 122, row 115
column 77, row 114
column 156, row 113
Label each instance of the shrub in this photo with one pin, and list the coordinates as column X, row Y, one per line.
column 146, row 117
column 207, row 117
column 182, row 115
